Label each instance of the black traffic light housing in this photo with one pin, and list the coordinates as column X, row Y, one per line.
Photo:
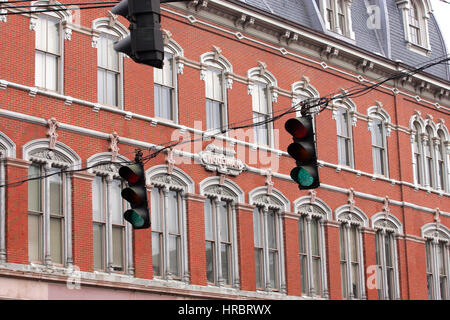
column 145, row 43
column 136, row 195
column 303, row 150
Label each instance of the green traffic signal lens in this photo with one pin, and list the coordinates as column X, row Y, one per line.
column 134, row 218
column 302, row 177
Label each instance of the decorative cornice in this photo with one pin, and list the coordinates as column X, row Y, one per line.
column 18, row 163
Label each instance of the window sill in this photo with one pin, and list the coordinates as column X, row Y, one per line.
column 418, row 49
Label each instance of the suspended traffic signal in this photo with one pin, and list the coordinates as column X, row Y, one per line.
column 136, row 195
column 145, row 43
column 303, row 150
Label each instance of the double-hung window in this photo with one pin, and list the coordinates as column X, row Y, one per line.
column 48, row 52
column 164, row 89
column 218, row 242
column 108, row 71
column 429, row 158
column 344, row 137
column 261, row 113
column 379, row 154
column 414, row 24
column 437, row 261
column 109, row 234
column 41, row 193
column 215, row 110
column 266, row 246
column 417, row 148
column 385, row 248
column 350, row 257
column 166, row 233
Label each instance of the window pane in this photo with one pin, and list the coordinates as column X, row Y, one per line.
column 301, row 234
column 210, row 261
column 174, row 250
column 168, row 69
column 51, row 72
column 53, row 35
column 355, row 280
column 342, row 243
column 113, row 56
column 224, row 223
column 117, row 243
column 304, row 274
column 172, row 214
column 111, row 88
column 34, row 189
column 316, row 276
column 257, row 228
column 41, row 33
column 315, row 237
column 353, row 244
column 271, row 226
column 388, row 250
column 157, row 97
column 344, row 280
column 56, row 240
column 166, row 103
column 156, row 254
column 116, row 202
column 55, row 191
column 34, row 237
column 155, row 206
column 101, row 85
column 209, row 231
column 97, row 199
column 98, row 246
column 39, row 76
column 273, row 269
column 213, row 115
column 226, row 263
column 390, row 283
column 258, row 268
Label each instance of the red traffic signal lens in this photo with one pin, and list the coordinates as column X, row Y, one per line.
column 133, row 196
column 299, row 152
column 297, row 128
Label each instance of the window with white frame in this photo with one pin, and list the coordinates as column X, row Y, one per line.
column 415, row 14
column 379, row 154
column 266, row 240
column 429, row 158
column 414, row 24
column 261, row 113
column 350, row 257
column 312, row 216
column 108, row 70
column 442, row 161
column 109, row 234
column 164, row 88
column 344, row 137
column 387, row 229
column 437, row 239
column 417, row 154
column 219, row 241
column 46, row 192
column 166, row 233
column 337, row 16
column 48, row 52
column 215, row 98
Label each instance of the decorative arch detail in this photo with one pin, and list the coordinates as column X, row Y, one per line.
column 38, row 151
column 7, row 146
column 275, row 200
column 227, row 189
column 109, row 167
column 377, row 111
column 388, row 222
column 109, row 25
column 177, row 179
column 64, row 15
column 433, row 231
column 351, row 214
column 311, row 205
column 260, row 73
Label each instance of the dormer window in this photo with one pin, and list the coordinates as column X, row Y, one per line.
column 337, row 16
column 415, row 22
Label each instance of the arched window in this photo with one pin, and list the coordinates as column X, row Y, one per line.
column 414, row 24
column 352, row 221
column 7, row 149
column 313, row 213
column 343, row 113
column 221, row 231
column 379, row 122
column 437, row 260
column 168, row 219
column 215, row 69
column 49, row 202
column 337, row 16
column 429, row 158
column 112, row 236
column 417, row 153
column 387, row 229
column 261, row 87
column 268, row 238
column 442, row 162
column 109, row 62
column 166, row 80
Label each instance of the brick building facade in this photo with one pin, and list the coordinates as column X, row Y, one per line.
column 227, row 220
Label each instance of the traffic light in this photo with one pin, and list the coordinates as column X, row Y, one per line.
column 136, row 195
column 145, row 43
column 303, row 150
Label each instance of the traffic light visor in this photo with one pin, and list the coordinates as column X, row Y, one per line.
column 131, row 173
column 297, row 127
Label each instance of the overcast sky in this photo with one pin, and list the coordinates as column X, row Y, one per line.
column 441, row 11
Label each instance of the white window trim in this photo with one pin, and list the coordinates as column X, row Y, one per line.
column 312, row 207
column 351, row 215
column 276, row 201
column 424, row 8
column 37, row 151
column 437, row 233
column 377, row 112
column 7, row 150
column 230, row 192
column 110, row 172
column 352, row 118
column 116, row 29
column 387, row 223
column 349, row 33
column 161, row 176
